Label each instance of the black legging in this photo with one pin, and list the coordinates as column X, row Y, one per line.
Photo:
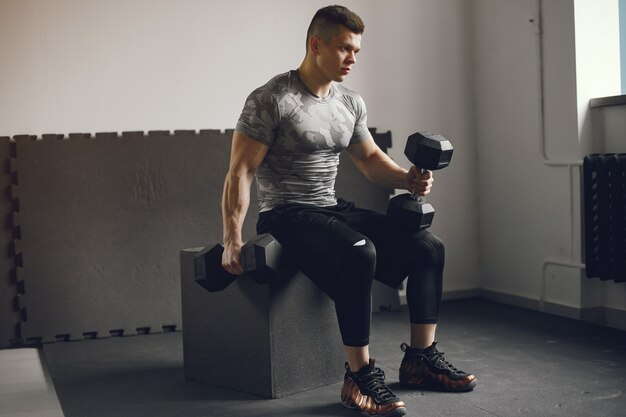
column 353, row 287
column 353, row 294
column 425, row 283
column 343, row 248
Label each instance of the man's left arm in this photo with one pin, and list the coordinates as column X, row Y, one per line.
column 380, row 169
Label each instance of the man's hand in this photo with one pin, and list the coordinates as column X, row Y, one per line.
column 231, row 258
column 418, row 183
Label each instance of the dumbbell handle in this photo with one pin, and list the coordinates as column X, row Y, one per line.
column 413, row 195
column 260, row 259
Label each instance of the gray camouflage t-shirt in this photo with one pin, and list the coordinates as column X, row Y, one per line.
column 305, row 134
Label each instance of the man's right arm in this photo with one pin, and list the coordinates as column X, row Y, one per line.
column 245, row 157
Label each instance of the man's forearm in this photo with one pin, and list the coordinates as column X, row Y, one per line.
column 382, row 170
column 235, row 203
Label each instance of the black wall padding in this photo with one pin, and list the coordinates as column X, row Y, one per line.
column 604, row 189
column 102, row 219
column 9, row 286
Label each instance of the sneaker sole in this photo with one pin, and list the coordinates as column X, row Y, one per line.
column 443, row 388
column 396, row 412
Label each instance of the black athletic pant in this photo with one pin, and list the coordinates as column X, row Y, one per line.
column 343, row 248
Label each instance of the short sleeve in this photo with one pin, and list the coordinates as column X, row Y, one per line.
column 360, row 125
column 260, row 117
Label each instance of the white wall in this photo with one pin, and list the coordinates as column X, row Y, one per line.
column 525, row 197
column 89, row 66
column 72, row 65
column 523, row 203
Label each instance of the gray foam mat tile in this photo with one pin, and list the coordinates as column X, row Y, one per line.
column 103, row 219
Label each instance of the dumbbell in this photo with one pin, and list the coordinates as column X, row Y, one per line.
column 427, row 152
column 260, row 259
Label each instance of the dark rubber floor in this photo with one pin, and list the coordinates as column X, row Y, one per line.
column 527, row 364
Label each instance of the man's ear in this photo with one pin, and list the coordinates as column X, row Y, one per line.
column 314, row 44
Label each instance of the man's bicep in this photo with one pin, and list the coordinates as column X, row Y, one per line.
column 246, row 153
column 362, row 151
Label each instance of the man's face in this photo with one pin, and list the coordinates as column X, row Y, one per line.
column 336, row 58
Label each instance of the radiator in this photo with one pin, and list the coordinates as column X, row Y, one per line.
column 604, row 190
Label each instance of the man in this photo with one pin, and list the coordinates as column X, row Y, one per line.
column 289, row 135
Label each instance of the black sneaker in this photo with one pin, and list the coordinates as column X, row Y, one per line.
column 427, row 369
column 365, row 391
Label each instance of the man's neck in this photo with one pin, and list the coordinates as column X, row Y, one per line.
column 317, row 85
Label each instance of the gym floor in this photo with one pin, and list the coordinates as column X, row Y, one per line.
column 527, row 364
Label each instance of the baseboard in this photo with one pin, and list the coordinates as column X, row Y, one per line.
column 603, row 316
column 510, row 299
column 593, row 314
column 450, row 295
column 606, row 316
column 460, row 294
column 562, row 310
column 615, row 318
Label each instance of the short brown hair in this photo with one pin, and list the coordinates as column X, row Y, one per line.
column 324, row 23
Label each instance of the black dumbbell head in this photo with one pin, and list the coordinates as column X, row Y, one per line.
column 409, row 213
column 261, row 257
column 209, row 271
column 428, row 151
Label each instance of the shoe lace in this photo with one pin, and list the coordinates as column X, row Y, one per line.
column 374, row 382
column 439, row 361
column 434, row 358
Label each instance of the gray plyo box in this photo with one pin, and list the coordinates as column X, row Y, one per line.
column 269, row 340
